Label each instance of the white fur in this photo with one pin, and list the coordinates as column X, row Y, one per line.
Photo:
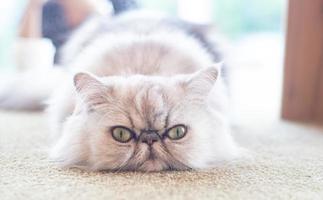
column 142, row 67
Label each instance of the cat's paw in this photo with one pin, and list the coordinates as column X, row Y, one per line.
column 17, row 93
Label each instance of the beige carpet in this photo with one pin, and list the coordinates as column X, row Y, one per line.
column 288, row 164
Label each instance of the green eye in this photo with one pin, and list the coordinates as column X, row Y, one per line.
column 177, row 132
column 121, row 134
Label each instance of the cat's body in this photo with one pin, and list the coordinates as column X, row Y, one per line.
column 155, row 100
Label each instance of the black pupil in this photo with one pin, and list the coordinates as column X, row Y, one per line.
column 121, row 133
column 177, row 132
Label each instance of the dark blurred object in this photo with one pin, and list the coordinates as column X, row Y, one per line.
column 55, row 25
column 122, row 5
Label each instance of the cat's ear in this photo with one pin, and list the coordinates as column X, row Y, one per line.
column 201, row 82
column 91, row 89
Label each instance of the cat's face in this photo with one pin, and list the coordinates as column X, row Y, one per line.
column 144, row 123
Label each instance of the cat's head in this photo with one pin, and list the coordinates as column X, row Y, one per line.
column 146, row 123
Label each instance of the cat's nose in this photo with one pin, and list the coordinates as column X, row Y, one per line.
column 149, row 137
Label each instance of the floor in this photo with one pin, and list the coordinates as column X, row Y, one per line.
column 287, row 163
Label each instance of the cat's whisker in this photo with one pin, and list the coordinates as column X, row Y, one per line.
column 166, row 151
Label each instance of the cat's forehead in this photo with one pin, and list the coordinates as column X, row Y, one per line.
column 149, row 105
column 140, row 86
column 146, row 103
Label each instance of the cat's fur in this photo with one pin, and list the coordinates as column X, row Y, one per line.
column 146, row 74
column 142, row 72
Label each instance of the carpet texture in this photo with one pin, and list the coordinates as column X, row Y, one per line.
column 287, row 164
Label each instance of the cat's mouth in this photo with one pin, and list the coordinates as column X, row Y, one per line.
column 154, row 160
column 151, row 154
column 152, row 164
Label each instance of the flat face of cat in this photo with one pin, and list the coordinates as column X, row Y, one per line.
column 143, row 123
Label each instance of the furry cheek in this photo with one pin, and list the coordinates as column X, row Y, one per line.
column 108, row 154
column 180, row 149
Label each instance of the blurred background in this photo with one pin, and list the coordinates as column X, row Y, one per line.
column 274, row 53
column 252, row 32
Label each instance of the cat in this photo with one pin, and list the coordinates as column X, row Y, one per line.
column 144, row 93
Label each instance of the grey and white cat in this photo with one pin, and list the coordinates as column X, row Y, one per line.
column 146, row 95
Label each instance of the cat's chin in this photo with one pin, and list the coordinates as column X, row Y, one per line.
column 152, row 165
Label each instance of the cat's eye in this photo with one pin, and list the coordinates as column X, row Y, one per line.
column 121, row 134
column 176, row 132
